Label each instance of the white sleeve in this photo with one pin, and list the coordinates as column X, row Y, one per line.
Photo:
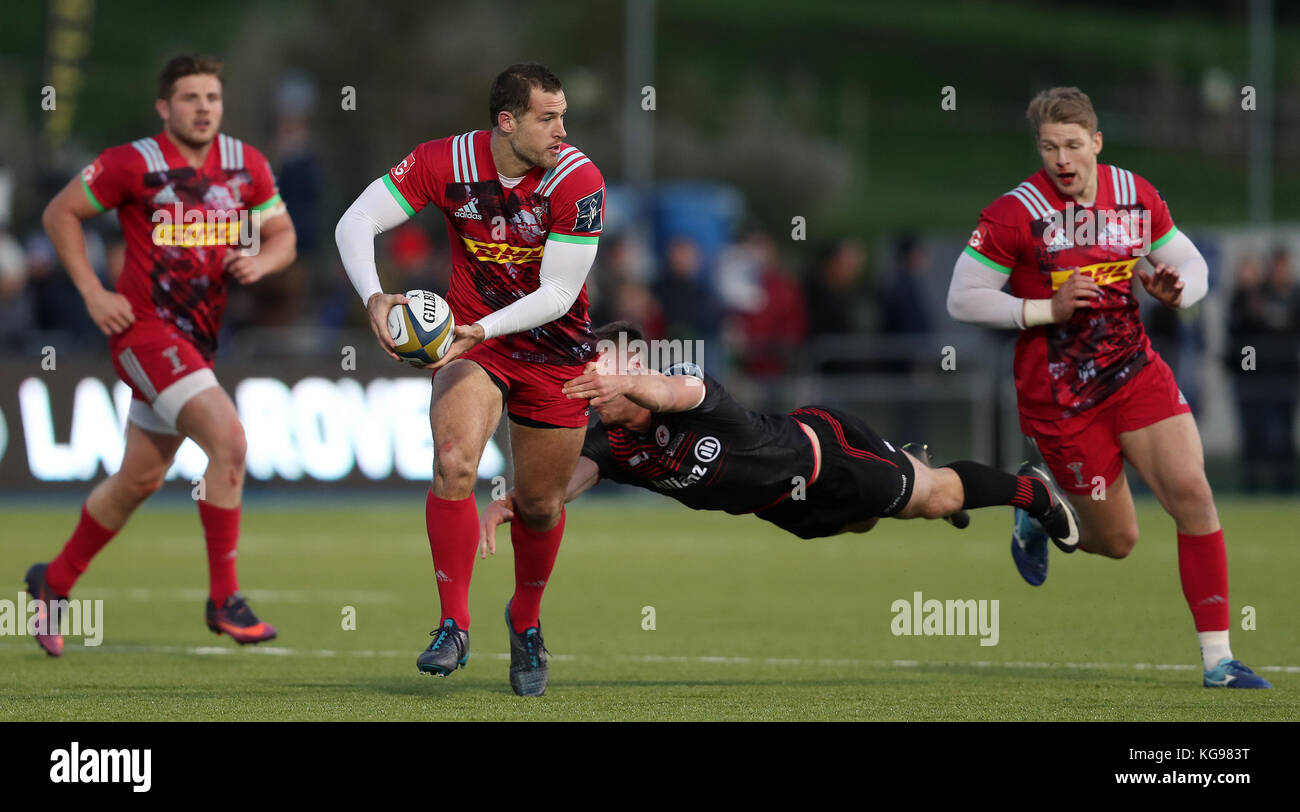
column 1181, row 253
column 371, row 214
column 561, row 277
column 975, row 296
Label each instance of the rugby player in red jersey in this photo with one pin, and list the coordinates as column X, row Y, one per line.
column 524, row 212
column 163, row 321
column 1091, row 391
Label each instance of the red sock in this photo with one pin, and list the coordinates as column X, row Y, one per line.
column 1203, row 568
column 453, row 539
column 534, row 559
column 87, row 540
column 221, row 532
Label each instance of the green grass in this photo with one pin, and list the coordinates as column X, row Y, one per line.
column 730, row 594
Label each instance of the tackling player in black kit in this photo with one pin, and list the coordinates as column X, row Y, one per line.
column 815, row 472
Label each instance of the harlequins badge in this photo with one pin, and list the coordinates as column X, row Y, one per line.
column 588, row 219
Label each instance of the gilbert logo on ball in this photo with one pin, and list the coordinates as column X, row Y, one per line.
column 422, row 328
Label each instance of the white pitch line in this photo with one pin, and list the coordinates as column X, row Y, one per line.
column 195, row 594
column 280, row 651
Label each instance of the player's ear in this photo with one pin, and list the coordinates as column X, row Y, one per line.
column 506, row 121
column 163, row 108
column 1096, row 143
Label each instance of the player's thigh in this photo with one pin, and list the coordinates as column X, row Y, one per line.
column 211, row 420
column 1168, row 455
column 544, row 459
column 463, row 413
column 1107, row 518
column 1087, row 462
column 147, row 459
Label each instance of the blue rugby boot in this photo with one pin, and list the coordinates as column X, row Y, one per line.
column 1233, row 674
column 529, row 661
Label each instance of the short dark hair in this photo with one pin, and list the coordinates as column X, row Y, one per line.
column 178, row 67
column 512, row 90
column 611, row 331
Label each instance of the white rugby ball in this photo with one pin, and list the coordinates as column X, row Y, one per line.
column 422, row 328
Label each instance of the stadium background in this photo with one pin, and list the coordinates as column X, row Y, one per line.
column 786, row 186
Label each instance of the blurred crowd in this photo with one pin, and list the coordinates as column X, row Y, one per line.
column 1264, row 337
column 35, row 292
column 767, row 318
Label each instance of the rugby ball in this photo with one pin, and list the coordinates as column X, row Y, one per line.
column 422, row 328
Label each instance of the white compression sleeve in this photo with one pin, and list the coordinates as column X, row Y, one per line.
column 563, row 272
column 975, row 296
column 1181, row 253
column 371, row 214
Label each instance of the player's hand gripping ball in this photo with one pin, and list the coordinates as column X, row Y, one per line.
column 422, row 329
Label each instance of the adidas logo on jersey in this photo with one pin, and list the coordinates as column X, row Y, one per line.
column 469, row 211
column 166, row 197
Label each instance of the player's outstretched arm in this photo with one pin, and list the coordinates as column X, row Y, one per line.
column 647, row 389
column 585, row 474
column 62, row 218
column 666, row 393
column 372, row 213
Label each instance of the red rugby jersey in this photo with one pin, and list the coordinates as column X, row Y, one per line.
column 497, row 235
column 174, row 270
column 1032, row 234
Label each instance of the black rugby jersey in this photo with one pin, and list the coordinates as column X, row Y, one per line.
column 717, row 456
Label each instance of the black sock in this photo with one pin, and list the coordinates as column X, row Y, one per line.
column 986, row 486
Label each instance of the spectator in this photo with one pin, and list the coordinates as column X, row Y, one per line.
column 1264, row 322
column 15, row 299
column 832, row 297
column 57, row 304
column 634, row 302
column 773, row 326
column 617, row 292
column 1164, row 328
column 690, row 307
column 908, row 326
column 904, row 300
column 282, row 299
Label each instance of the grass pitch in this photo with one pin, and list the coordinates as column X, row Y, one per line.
column 749, row 623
